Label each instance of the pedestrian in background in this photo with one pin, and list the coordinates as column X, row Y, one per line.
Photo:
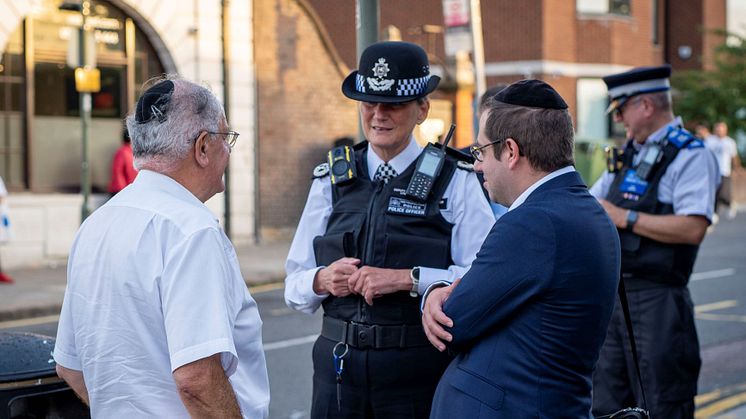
column 157, row 320
column 365, row 251
column 530, row 316
column 661, row 201
column 123, row 170
column 726, row 151
column 5, row 232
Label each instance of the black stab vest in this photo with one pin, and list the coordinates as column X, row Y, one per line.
column 647, row 262
column 366, row 223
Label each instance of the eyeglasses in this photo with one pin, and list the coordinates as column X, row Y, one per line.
column 476, row 151
column 230, row 137
column 635, row 100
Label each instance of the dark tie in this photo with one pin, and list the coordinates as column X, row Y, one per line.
column 384, row 173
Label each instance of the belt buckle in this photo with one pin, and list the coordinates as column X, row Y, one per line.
column 365, row 335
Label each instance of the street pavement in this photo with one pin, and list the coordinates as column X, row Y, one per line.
column 718, row 290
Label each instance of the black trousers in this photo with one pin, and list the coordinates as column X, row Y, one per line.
column 376, row 383
column 668, row 350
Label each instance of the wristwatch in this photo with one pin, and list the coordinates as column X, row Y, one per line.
column 632, row 217
column 415, row 275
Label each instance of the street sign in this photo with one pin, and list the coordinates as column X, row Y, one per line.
column 87, row 80
column 457, row 17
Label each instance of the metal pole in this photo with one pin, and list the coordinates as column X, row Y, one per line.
column 367, row 22
column 476, row 30
column 85, row 117
column 226, row 106
column 368, row 18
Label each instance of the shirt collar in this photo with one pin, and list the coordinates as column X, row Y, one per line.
column 399, row 163
column 661, row 133
column 166, row 184
column 522, row 197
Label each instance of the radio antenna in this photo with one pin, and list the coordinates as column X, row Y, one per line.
column 448, row 137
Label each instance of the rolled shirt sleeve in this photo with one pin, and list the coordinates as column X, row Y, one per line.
column 199, row 304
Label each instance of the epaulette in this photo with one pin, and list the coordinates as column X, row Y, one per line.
column 464, row 161
column 682, row 138
column 321, row 170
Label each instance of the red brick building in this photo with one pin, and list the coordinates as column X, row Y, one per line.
column 304, row 48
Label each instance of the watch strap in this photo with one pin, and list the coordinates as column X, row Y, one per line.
column 415, row 275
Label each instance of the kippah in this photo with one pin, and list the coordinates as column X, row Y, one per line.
column 152, row 103
column 531, row 93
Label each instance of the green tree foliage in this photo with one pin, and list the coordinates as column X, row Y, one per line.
column 716, row 95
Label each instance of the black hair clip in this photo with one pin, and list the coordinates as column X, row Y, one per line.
column 152, row 103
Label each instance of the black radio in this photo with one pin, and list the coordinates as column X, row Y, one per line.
column 428, row 167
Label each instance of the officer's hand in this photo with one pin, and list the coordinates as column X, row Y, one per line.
column 333, row 279
column 373, row 282
column 618, row 215
column 433, row 318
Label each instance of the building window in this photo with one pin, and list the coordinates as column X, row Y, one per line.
column 46, row 156
column 603, row 7
column 592, row 122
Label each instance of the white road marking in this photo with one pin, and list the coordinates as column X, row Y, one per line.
column 290, row 342
column 720, row 273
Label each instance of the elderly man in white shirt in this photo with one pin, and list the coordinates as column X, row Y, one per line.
column 157, row 320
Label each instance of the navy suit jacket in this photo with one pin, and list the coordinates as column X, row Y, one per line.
column 530, row 316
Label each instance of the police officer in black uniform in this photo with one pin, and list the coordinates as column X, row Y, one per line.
column 366, row 249
column 659, row 193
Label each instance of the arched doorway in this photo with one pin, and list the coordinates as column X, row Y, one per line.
column 40, row 133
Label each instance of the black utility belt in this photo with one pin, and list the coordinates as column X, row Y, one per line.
column 373, row 336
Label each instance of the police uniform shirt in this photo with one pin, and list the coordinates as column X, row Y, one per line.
column 465, row 207
column 689, row 182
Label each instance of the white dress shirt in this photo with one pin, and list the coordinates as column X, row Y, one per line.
column 154, row 284
column 466, row 208
column 689, row 181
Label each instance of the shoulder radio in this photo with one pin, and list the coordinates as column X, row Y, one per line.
column 428, row 167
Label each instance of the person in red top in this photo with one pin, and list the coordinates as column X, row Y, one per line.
column 123, row 172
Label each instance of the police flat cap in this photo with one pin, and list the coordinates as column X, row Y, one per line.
column 391, row 72
column 531, row 93
column 624, row 86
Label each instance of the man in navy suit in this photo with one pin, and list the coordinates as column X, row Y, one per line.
column 529, row 318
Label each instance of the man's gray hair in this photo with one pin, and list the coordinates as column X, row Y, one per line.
column 160, row 146
column 661, row 100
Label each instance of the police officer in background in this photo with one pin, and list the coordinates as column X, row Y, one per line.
column 660, row 195
column 366, row 251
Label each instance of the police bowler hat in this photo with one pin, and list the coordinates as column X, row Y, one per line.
column 391, row 72
column 624, row 86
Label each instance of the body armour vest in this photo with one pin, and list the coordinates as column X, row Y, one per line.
column 378, row 224
column 645, row 260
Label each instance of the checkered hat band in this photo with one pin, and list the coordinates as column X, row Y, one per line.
column 411, row 87
column 406, row 87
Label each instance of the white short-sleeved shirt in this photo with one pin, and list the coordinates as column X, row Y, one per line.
column 154, row 284
column 725, row 149
column 690, row 180
column 466, row 208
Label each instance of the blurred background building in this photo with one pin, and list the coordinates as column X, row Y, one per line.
column 282, row 63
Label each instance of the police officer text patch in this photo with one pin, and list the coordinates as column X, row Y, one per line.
column 406, row 207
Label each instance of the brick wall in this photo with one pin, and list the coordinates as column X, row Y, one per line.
column 689, row 25
column 301, row 110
